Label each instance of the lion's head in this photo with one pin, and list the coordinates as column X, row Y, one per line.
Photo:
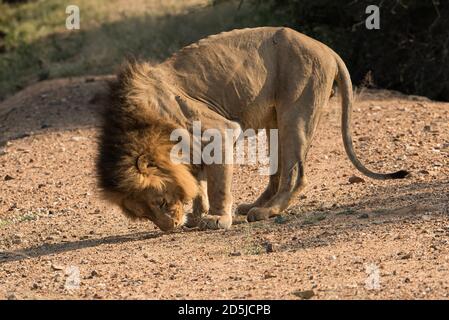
column 134, row 166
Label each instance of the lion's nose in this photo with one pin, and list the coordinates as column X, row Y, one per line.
column 166, row 227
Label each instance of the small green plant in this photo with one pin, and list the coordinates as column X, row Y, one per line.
column 255, row 249
column 4, row 223
column 28, row 217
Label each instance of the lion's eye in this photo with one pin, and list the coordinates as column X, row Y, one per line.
column 163, row 204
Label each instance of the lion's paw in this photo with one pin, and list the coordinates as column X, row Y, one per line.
column 256, row 214
column 215, row 222
column 243, row 209
column 192, row 221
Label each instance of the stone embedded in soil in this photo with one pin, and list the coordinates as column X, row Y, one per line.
column 355, row 179
column 8, row 177
column 11, row 296
column 235, row 254
column 93, row 274
column 404, row 256
column 364, row 216
column 280, row 220
column 78, row 138
column 269, row 247
column 56, row 267
column 306, row 294
column 268, row 275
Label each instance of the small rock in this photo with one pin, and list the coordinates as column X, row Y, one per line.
column 364, row 216
column 235, row 254
column 405, row 256
column 8, row 177
column 427, row 128
column 78, row 138
column 306, row 294
column 268, row 275
column 355, row 179
column 94, row 273
column 269, row 247
column 17, row 238
column 280, row 220
column 11, row 296
column 56, row 267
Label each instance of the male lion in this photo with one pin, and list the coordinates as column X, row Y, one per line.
column 260, row 78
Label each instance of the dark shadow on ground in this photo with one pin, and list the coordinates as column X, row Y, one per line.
column 55, row 248
column 406, row 203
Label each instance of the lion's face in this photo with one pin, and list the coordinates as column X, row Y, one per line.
column 134, row 165
column 166, row 213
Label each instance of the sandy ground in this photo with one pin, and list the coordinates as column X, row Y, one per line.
column 339, row 240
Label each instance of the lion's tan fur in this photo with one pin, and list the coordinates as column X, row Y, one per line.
column 252, row 78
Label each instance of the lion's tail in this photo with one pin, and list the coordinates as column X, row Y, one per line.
column 344, row 84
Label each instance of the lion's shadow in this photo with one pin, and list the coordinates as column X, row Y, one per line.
column 55, row 248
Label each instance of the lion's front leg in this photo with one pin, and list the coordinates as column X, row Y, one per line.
column 200, row 203
column 219, row 180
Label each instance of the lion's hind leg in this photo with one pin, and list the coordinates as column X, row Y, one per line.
column 297, row 121
column 273, row 184
column 269, row 192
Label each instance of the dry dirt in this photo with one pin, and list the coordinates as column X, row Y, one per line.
column 342, row 240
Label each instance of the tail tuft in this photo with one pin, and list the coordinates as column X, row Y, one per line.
column 401, row 174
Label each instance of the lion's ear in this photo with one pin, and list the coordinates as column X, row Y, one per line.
column 144, row 163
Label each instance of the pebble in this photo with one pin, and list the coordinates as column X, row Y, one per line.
column 11, row 296
column 405, row 256
column 56, row 267
column 78, row 138
column 268, row 275
column 94, row 273
column 306, row 294
column 280, row 220
column 8, row 177
column 269, row 247
column 355, row 179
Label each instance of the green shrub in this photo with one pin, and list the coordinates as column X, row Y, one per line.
column 410, row 51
